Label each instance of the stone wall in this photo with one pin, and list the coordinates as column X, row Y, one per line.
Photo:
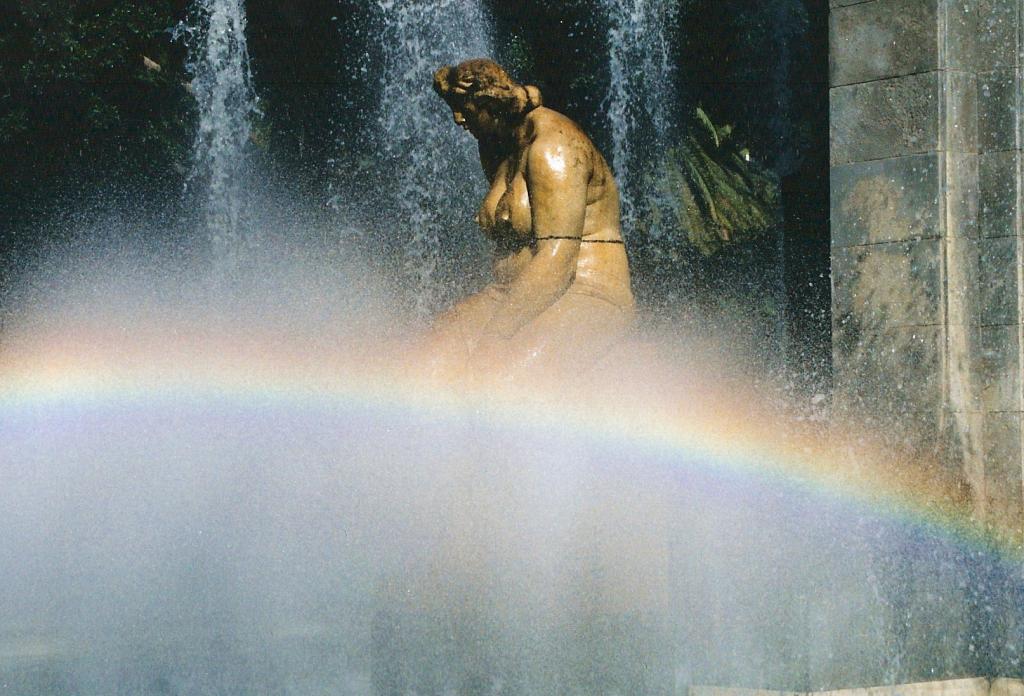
column 926, row 223
column 953, row 687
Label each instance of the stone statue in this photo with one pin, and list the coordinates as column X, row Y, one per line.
column 559, row 303
column 560, row 294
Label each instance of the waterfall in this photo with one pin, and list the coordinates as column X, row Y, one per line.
column 432, row 166
column 640, row 91
column 218, row 61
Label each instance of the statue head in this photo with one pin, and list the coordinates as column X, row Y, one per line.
column 482, row 96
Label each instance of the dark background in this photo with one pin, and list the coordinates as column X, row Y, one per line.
column 79, row 113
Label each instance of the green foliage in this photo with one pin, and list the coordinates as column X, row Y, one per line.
column 76, row 93
column 721, row 196
column 753, row 64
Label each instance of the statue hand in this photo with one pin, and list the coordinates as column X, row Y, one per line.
column 462, row 86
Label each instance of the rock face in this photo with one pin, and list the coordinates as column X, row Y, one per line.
column 926, row 223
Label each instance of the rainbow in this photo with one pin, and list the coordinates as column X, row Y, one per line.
column 682, row 419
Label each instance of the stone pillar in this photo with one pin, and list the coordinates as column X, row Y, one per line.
column 926, row 220
column 1001, row 269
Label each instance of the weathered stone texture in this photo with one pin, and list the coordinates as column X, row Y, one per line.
column 963, row 296
column 881, row 39
column 961, row 186
column 887, row 118
column 733, row 691
column 958, row 34
column 887, row 200
column 950, row 687
column 889, row 285
column 998, row 376
column 1003, row 503
column 926, row 214
column 958, row 127
column 999, row 197
column 997, row 33
column 894, row 371
column 846, row 3
column 1007, row 687
column 997, row 281
column 997, row 111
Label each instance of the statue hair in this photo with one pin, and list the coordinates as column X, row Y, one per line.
column 488, row 83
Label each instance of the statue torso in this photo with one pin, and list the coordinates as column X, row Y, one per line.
column 506, row 217
column 505, row 214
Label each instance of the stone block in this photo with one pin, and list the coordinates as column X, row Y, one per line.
column 1004, row 491
column 956, row 687
column 886, row 38
column 998, row 366
column 1007, row 687
column 888, row 285
column 998, row 196
column 886, row 200
column 737, row 691
column 907, row 435
column 996, row 34
column 846, row 3
column 962, row 331
column 962, row 449
column 961, row 23
column 963, row 383
column 962, row 194
column 892, row 374
column 997, row 278
column 960, row 129
column 997, row 110
column 1002, row 440
column 910, row 436
column 887, row 118
column 952, row 687
column 961, row 280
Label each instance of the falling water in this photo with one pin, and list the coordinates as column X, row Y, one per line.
column 226, row 101
column 431, row 165
column 640, row 90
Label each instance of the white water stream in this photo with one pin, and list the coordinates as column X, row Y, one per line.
column 641, row 92
column 433, row 166
column 226, row 100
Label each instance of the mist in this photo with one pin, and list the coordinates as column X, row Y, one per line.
column 213, row 488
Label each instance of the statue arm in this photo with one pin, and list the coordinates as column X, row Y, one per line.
column 556, row 179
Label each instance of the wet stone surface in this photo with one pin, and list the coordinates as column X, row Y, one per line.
column 886, row 200
column 886, row 118
column 881, row 39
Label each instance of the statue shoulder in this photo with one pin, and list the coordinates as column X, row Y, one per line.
column 549, row 131
column 545, row 123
